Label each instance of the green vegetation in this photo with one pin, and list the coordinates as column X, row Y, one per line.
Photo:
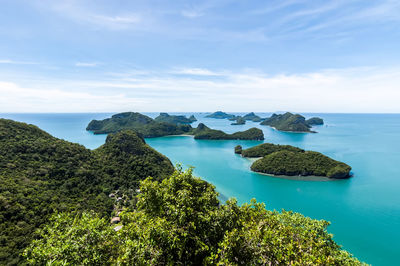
column 142, row 124
column 315, row 121
column 174, row 119
column 203, row 132
column 180, row 221
column 40, row 174
column 288, row 122
column 307, row 163
column 238, row 149
column 266, row 149
column 220, row 115
column 148, row 128
column 239, row 121
column 253, row 117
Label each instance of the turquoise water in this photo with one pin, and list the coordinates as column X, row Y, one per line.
column 364, row 210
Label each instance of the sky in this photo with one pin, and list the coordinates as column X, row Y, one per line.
column 197, row 56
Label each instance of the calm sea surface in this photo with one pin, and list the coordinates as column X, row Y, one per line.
column 364, row 210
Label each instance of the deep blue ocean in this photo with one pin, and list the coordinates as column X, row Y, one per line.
column 364, row 210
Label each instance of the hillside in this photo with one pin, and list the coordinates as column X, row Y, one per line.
column 40, row 174
column 266, row 149
column 252, row 117
column 180, row 221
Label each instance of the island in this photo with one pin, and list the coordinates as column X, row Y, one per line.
column 289, row 122
column 175, row 119
column 239, row 121
column 286, row 160
column 150, row 128
column 220, row 115
column 315, row 121
column 204, row 132
column 252, row 117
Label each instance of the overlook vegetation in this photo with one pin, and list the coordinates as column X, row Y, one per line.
column 203, row 132
column 290, row 161
column 180, row 221
column 40, row 174
column 174, row 119
column 292, row 122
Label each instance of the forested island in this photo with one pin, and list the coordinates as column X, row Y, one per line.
column 203, row 132
column 252, row 117
column 149, row 127
column 175, row 119
column 239, row 121
column 173, row 218
column 292, row 122
column 287, row 160
column 221, row 115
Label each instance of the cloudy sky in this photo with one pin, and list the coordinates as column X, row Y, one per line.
column 200, row 55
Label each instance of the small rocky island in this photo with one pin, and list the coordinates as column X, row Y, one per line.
column 292, row 122
column 150, row 128
column 220, row 115
column 286, row 160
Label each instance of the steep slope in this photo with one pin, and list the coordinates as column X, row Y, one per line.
column 40, row 174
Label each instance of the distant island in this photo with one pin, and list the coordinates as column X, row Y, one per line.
column 220, row 115
column 291, row 122
column 239, row 121
column 252, row 117
column 287, row 160
column 203, row 132
column 175, row 119
column 150, row 128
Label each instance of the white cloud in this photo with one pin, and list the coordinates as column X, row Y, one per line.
column 334, row 90
column 196, row 72
column 86, row 64
column 12, row 62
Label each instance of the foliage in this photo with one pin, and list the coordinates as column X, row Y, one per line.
column 40, row 174
column 288, row 122
column 220, row 115
column 179, row 221
column 267, row 148
column 306, row 163
column 174, row 119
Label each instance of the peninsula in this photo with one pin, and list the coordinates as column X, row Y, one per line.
column 287, row 160
column 203, row 132
column 239, row 121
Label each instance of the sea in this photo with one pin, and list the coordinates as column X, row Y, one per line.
column 364, row 210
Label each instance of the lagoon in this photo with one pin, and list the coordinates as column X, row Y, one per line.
column 364, row 210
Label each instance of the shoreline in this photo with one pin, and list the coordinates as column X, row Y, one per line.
column 292, row 131
column 299, row 177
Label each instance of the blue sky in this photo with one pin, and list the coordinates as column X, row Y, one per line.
column 297, row 55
